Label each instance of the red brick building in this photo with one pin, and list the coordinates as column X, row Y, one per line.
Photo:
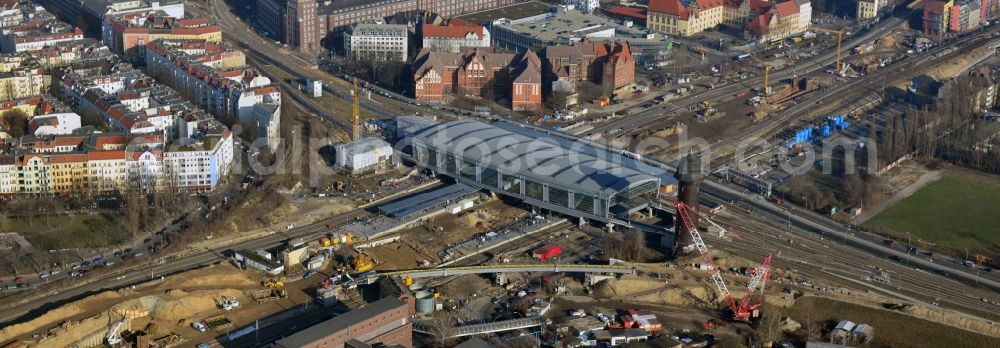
column 481, row 72
column 303, row 24
column 384, row 322
column 610, row 64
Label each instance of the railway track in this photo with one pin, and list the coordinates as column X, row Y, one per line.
column 655, row 114
column 28, row 308
column 808, row 255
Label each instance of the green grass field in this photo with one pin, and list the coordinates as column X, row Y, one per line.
column 892, row 329
column 958, row 211
column 67, row 231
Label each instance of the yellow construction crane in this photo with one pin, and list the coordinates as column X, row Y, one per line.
column 840, row 38
column 356, row 113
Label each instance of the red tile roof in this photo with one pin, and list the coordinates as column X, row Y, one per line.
column 787, row 8
column 455, row 30
column 670, row 7
column 630, row 12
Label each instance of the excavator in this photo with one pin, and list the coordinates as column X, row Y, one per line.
column 362, row 263
column 273, row 283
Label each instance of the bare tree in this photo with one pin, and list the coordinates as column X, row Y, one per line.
column 443, row 327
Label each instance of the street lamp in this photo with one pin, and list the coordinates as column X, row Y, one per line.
column 966, row 254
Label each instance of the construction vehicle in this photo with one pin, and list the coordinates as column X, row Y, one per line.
column 408, row 281
column 274, row 283
column 741, row 309
column 711, row 324
column 362, row 263
column 114, row 336
column 229, row 303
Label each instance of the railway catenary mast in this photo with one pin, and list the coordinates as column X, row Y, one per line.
column 689, row 174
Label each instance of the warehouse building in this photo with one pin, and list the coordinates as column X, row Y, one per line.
column 541, row 170
column 363, row 155
column 381, row 323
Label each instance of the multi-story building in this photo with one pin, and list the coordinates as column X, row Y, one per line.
column 479, row 71
column 215, row 76
column 127, row 34
column 565, row 27
column 871, row 9
column 765, row 19
column 376, row 42
column 54, row 124
column 303, row 24
column 936, row 16
column 89, row 14
column 453, row 36
column 608, row 63
column 383, row 323
column 23, row 83
column 34, row 36
column 777, row 23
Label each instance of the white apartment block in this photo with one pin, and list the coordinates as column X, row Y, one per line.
column 376, row 42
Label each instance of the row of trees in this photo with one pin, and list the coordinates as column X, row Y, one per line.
column 945, row 130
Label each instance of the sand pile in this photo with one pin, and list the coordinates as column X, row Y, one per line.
column 951, row 318
column 789, row 325
column 212, row 280
column 177, row 305
column 57, row 315
column 478, row 218
column 70, row 333
column 650, row 291
column 887, row 42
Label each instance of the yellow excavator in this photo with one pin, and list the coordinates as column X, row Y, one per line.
column 273, row 283
column 362, row 263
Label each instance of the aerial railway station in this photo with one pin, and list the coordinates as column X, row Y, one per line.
column 541, row 170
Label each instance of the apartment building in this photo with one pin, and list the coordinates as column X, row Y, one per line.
column 479, row 71
column 376, row 42
column 34, row 36
column 765, row 19
column 23, row 83
column 871, row 9
column 453, row 36
column 127, row 34
column 215, row 76
column 89, row 14
column 303, row 24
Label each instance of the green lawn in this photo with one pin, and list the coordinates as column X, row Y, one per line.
column 66, row 231
column 892, row 329
column 958, row 211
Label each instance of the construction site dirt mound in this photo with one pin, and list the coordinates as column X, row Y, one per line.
column 650, row 291
column 951, row 318
column 176, row 305
column 58, row 315
column 77, row 333
column 211, row 278
column 789, row 325
column 887, row 42
column 479, row 218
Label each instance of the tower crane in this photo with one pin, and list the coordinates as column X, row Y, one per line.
column 742, row 308
column 356, row 114
column 840, row 37
column 767, row 73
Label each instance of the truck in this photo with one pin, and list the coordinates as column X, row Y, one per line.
column 546, row 252
column 912, row 250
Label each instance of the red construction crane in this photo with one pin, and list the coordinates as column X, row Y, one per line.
column 742, row 309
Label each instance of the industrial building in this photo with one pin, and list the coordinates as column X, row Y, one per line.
column 362, row 155
column 383, row 322
column 541, row 170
